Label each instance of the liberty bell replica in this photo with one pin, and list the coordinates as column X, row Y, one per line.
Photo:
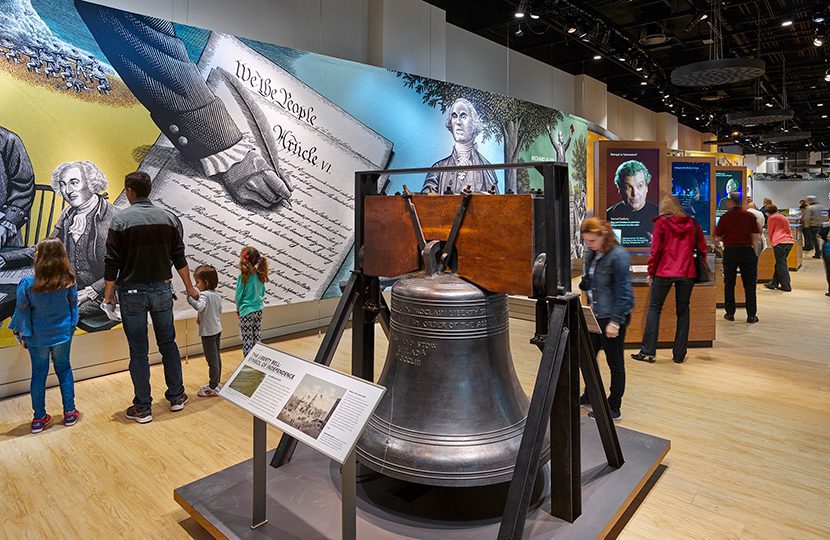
column 454, row 411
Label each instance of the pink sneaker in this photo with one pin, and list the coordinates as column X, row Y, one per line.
column 71, row 418
column 39, row 424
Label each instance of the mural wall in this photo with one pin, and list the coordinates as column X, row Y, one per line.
column 247, row 143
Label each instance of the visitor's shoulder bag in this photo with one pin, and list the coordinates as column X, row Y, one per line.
column 702, row 272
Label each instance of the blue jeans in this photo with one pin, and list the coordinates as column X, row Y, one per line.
column 157, row 300
column 40, row 370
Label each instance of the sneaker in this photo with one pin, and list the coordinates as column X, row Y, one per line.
column 752, row 320
column 178, row 403
column 770, row 286
column 71, row 417
column 616, row 415
column 728, row 317
column 644, row 358
column 39, row 424
column 142, row 417
column 207, row 391
column 585, row 402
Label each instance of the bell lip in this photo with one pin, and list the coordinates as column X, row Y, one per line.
column 386, row 429
column 444, row 479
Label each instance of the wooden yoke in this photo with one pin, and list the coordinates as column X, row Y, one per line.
column 496, row 246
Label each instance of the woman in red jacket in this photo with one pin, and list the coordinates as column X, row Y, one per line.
column 671, row 261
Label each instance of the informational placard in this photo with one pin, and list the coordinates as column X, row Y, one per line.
column 631, row 190
column 691, row 181
column 727, row 180
column 317, row 405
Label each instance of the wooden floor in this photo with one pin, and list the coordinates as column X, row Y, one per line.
column 749, row 422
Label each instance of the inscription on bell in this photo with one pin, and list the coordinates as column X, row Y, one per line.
column 413, row 351
column 462, row 312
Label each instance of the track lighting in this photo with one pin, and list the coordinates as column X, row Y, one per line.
column 697, row 19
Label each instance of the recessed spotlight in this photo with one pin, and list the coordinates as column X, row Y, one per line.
column 787, row 23
column 597, row 57
column 571, row 29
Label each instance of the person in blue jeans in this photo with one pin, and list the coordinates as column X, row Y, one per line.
column 44, row 320
column 143, row 242
column 607, row 281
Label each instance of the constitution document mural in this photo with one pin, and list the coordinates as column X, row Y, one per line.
column 247, row 143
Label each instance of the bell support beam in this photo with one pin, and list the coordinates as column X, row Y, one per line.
column 538, row 415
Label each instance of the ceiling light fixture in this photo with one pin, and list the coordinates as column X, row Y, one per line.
column 787, row 23
column 571, row 28
column 818, row 17
column 534, row 16
column 520, row 11
column 643, row 83
column 827, row 75
column 597, row 57
column 518, row 32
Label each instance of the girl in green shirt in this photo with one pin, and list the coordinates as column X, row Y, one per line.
column 250, row 292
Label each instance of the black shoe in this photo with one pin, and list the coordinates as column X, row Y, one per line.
column 728, row 317
column 643, row 358
column 752, row 320
column 785, row 290
column 678, row 360
column 770, row 286
column 616, row 415
column 817, row 256
column 142, row 417
column 178, row 403
column 585, row 402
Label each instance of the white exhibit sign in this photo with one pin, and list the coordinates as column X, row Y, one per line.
column 315, row 404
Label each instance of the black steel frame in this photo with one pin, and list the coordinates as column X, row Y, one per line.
column 561, row 334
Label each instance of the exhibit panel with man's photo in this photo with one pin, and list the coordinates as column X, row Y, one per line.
column 691, row 181
column 633, row 177
column 728, row 179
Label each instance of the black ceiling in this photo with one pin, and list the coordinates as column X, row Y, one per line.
column 609, row 28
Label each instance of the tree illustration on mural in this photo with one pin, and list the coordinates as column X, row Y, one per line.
column 515, row 122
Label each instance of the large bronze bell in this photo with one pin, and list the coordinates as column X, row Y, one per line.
column 454, row 411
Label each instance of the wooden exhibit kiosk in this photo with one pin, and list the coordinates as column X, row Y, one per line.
column 689, row 178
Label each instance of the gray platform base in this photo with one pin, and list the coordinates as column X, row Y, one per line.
column 304, row 499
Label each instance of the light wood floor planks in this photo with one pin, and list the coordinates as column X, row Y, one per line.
column 749, row 422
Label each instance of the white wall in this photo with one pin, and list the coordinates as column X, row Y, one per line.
column 630, row 121
column 336, row 28
column 787, row 193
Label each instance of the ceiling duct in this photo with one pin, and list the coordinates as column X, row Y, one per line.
column 752, row 118
column 653, row 35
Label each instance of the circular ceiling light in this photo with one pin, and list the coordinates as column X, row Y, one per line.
column 653, row 35
column 788, row 136
column 766, row 116
column 718, row 72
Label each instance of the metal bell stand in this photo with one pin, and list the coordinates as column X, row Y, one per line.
column 561, row 335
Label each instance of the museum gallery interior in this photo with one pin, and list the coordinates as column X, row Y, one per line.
column 414, row 269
